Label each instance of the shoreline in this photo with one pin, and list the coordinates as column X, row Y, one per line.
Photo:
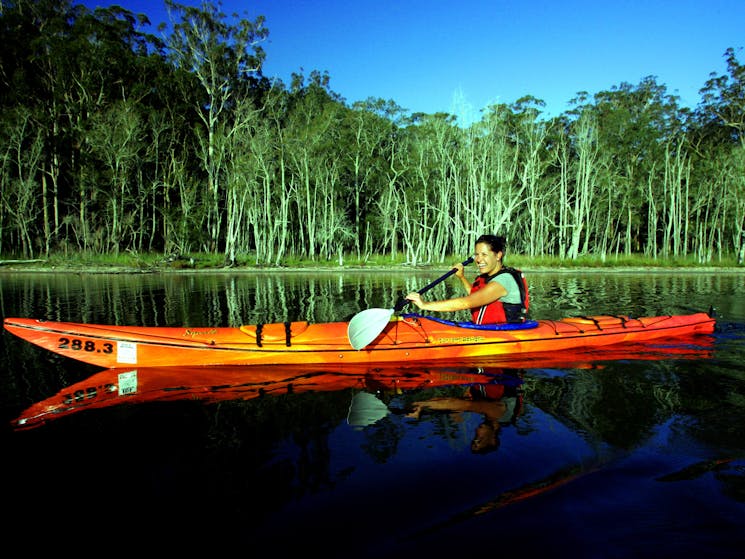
column 8, row 267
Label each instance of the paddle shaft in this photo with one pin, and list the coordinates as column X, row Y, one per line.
column 403, row 301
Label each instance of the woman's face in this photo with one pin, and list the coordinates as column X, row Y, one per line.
column 486, row 259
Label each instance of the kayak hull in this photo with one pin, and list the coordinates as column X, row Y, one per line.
column 405, row 339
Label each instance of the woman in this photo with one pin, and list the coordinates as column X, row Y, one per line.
column 494, row 296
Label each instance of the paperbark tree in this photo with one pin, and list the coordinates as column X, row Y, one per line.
column 494, row 193
column 584, row 177
column 116, row 139
column 221, row 56
column 533, row 161
column 372, row 125
column 21, row 164
column 721, row 122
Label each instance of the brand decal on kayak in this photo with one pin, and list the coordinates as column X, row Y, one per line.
column 189, row 333
column 461, row 340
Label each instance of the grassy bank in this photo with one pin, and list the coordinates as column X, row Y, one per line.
column 199, row 261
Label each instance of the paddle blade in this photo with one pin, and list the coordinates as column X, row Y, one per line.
column 367, row 325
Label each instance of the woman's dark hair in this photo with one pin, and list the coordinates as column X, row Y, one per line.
column 495, row 242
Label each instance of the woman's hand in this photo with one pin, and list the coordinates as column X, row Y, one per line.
column 459, row 270
column 460, row 273
column 416, row 298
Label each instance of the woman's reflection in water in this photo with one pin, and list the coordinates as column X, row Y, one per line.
column 499, row 402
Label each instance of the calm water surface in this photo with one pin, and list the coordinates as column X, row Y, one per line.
column 630, row 457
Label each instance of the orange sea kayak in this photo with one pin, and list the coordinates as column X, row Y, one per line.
column 409, row 338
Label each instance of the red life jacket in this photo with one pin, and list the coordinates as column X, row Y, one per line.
column 497, row 311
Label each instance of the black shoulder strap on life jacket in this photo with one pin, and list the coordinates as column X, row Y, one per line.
column 514, row 312
column 517, row 275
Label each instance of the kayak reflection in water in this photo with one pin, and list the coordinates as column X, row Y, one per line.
column 498, row 402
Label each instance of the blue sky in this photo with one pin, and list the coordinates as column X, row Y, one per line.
column 461, row 56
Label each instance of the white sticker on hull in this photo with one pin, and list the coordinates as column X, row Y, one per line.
column 126, row 352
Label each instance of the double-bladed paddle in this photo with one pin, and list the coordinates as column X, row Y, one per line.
column 367, row 325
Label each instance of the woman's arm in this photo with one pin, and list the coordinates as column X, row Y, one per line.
column 490, row 293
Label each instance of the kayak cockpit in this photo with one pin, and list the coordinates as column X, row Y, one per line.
column 527, row 325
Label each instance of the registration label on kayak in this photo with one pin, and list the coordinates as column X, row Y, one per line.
column 127, row 383
column 126, row 352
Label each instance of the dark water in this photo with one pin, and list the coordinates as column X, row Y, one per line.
column 631, row 457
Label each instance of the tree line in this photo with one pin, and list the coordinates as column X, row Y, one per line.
column 117, row 139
